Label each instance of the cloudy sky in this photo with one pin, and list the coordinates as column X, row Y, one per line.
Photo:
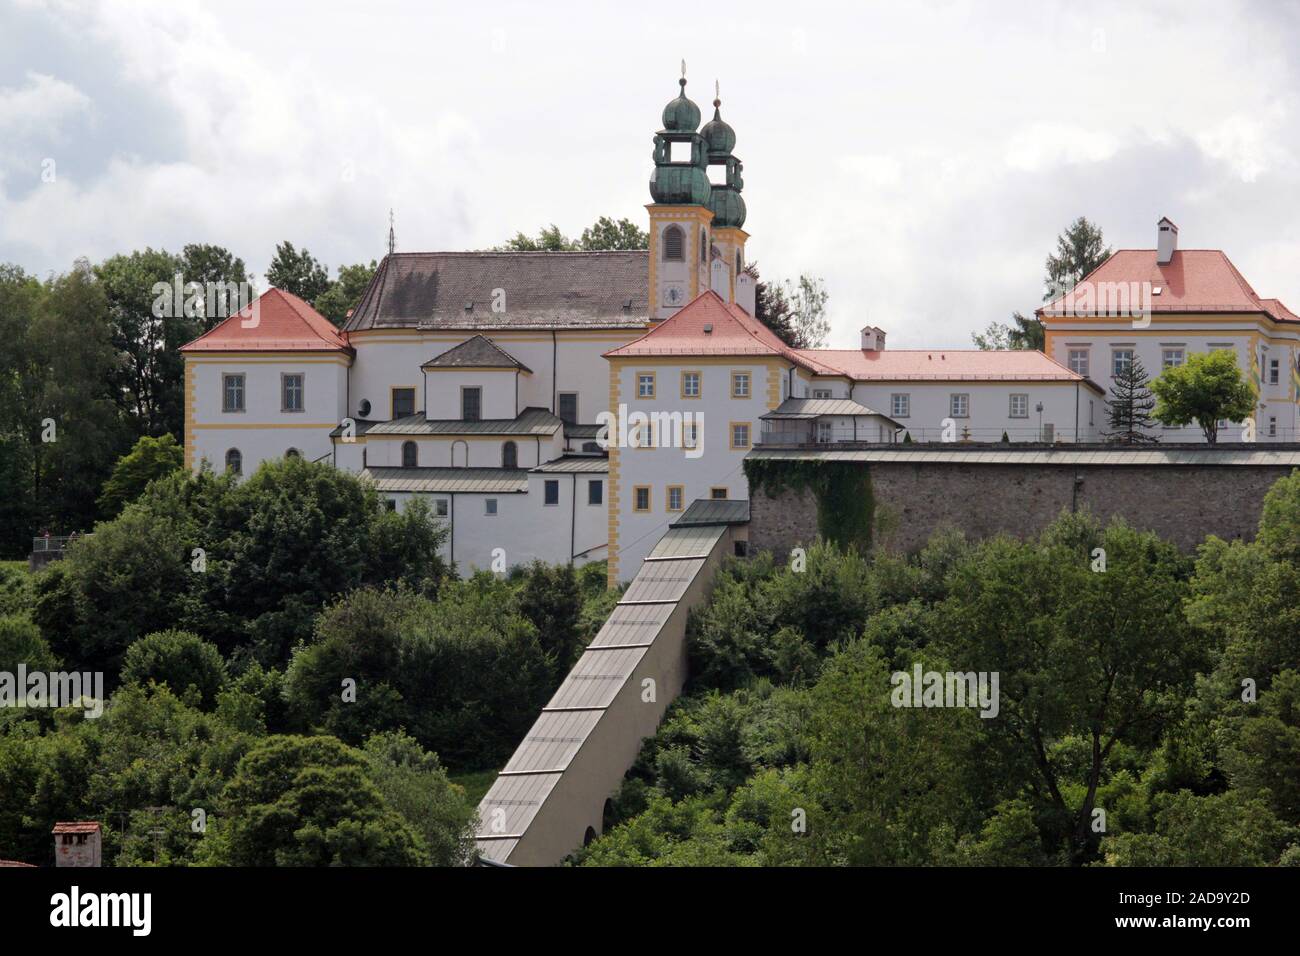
column 920, row 157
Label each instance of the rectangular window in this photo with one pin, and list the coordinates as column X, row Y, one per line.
column 440, row 507
column 471, row 404
column 959, row 406
column 569, row 407
column 403, row 402
column 552, row 492
column 643, row 435
column 641, row 498
column 489, row 506
column 595, row 492
column 1091, row 409
column 824, row 432
column 1272, row 428
column 900, row 406
column 1019, row 405
column 1274, row 371
column 718, row 494
column 645, row 384
column 740, row 385
column 690, row 434
column 232, row 393
column 1120, row 360
column 690, row 384
column 390, row 504
column 739, row 436
column 675, row 493
column 291, row 392
column 1079, row 362
column 821, row 393
column 1171, row 358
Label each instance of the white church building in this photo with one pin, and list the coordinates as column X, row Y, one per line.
column 569, row 406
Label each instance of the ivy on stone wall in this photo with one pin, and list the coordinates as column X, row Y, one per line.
column 845, row 505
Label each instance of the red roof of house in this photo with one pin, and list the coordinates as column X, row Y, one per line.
column 944, row 364
column 85, row 827
column 16, row 863
column 731, row 331
column 735, row 332
column 278, row 321
column 1194, row 280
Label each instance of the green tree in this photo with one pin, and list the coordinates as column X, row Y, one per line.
column 1228, row 829
column 345, row 292
column 1079, row 250
column 149, row 326
column 180, row 660
column 1023, row 332
column 309, row 801
column 606, row 233
column 1206, row 389
column 414, row 784
column 548, row 239
column 772, row 308
column 807, row 299
column 221, row 275
column 549, row 599
column 150, row 459
column 1129, row 408
column 298, row 272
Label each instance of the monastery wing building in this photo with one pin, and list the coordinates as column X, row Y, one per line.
column 570, row 406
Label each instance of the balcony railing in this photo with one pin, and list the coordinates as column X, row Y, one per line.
column 49, row 544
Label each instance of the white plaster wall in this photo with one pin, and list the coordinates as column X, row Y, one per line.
column 262, row 430
column 716, row 465
column 1276, row 401
column 389, row 359
column 483, row 451
column 989, row 408
column 443, row 389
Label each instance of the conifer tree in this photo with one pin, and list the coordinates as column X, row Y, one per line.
column 1129, row 407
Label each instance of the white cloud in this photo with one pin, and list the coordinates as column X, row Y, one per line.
column 42, row 104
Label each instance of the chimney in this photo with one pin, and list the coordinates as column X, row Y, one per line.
column 1166, row 241
column 873, row 339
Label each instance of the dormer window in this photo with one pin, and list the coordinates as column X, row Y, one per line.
column 674, row 244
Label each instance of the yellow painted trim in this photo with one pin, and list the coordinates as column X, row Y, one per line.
column 649, row 497
column 749, row 385
column 720, row 488
column 668, row 498
column 654, row 384
column 699, row 390
column 731, row 436
column 191, row 403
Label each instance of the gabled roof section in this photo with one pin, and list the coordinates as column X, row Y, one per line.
column 537, row 290
column 811, row 408
column 709, row 326
column 530, row 422
column 1193, row 281
column 479, row 351
column 277, row 321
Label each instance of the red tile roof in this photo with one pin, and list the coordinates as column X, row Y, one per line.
column 277, row 322
column 16, row 863
column 944, row 364
column 732, row 331
column 1194, row 280
column 736, row 332
column 84, row 827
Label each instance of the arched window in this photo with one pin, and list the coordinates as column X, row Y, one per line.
column 410, row 454
column 509, row 455
column 235, row 461
column 589, row 836
column 292, row 453
column 704, row 246
column 674, row 243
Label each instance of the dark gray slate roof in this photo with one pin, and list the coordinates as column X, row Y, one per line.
column 531, row 421
column 543, row 290
column 476, row 352
column 706, row 511
column 460, row 480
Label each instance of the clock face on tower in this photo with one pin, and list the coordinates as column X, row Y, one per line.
column 674, row 294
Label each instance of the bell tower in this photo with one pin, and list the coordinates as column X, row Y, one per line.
column 680, row 217
column 728, row 208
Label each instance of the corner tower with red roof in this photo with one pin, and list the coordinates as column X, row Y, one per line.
column 271, row 380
